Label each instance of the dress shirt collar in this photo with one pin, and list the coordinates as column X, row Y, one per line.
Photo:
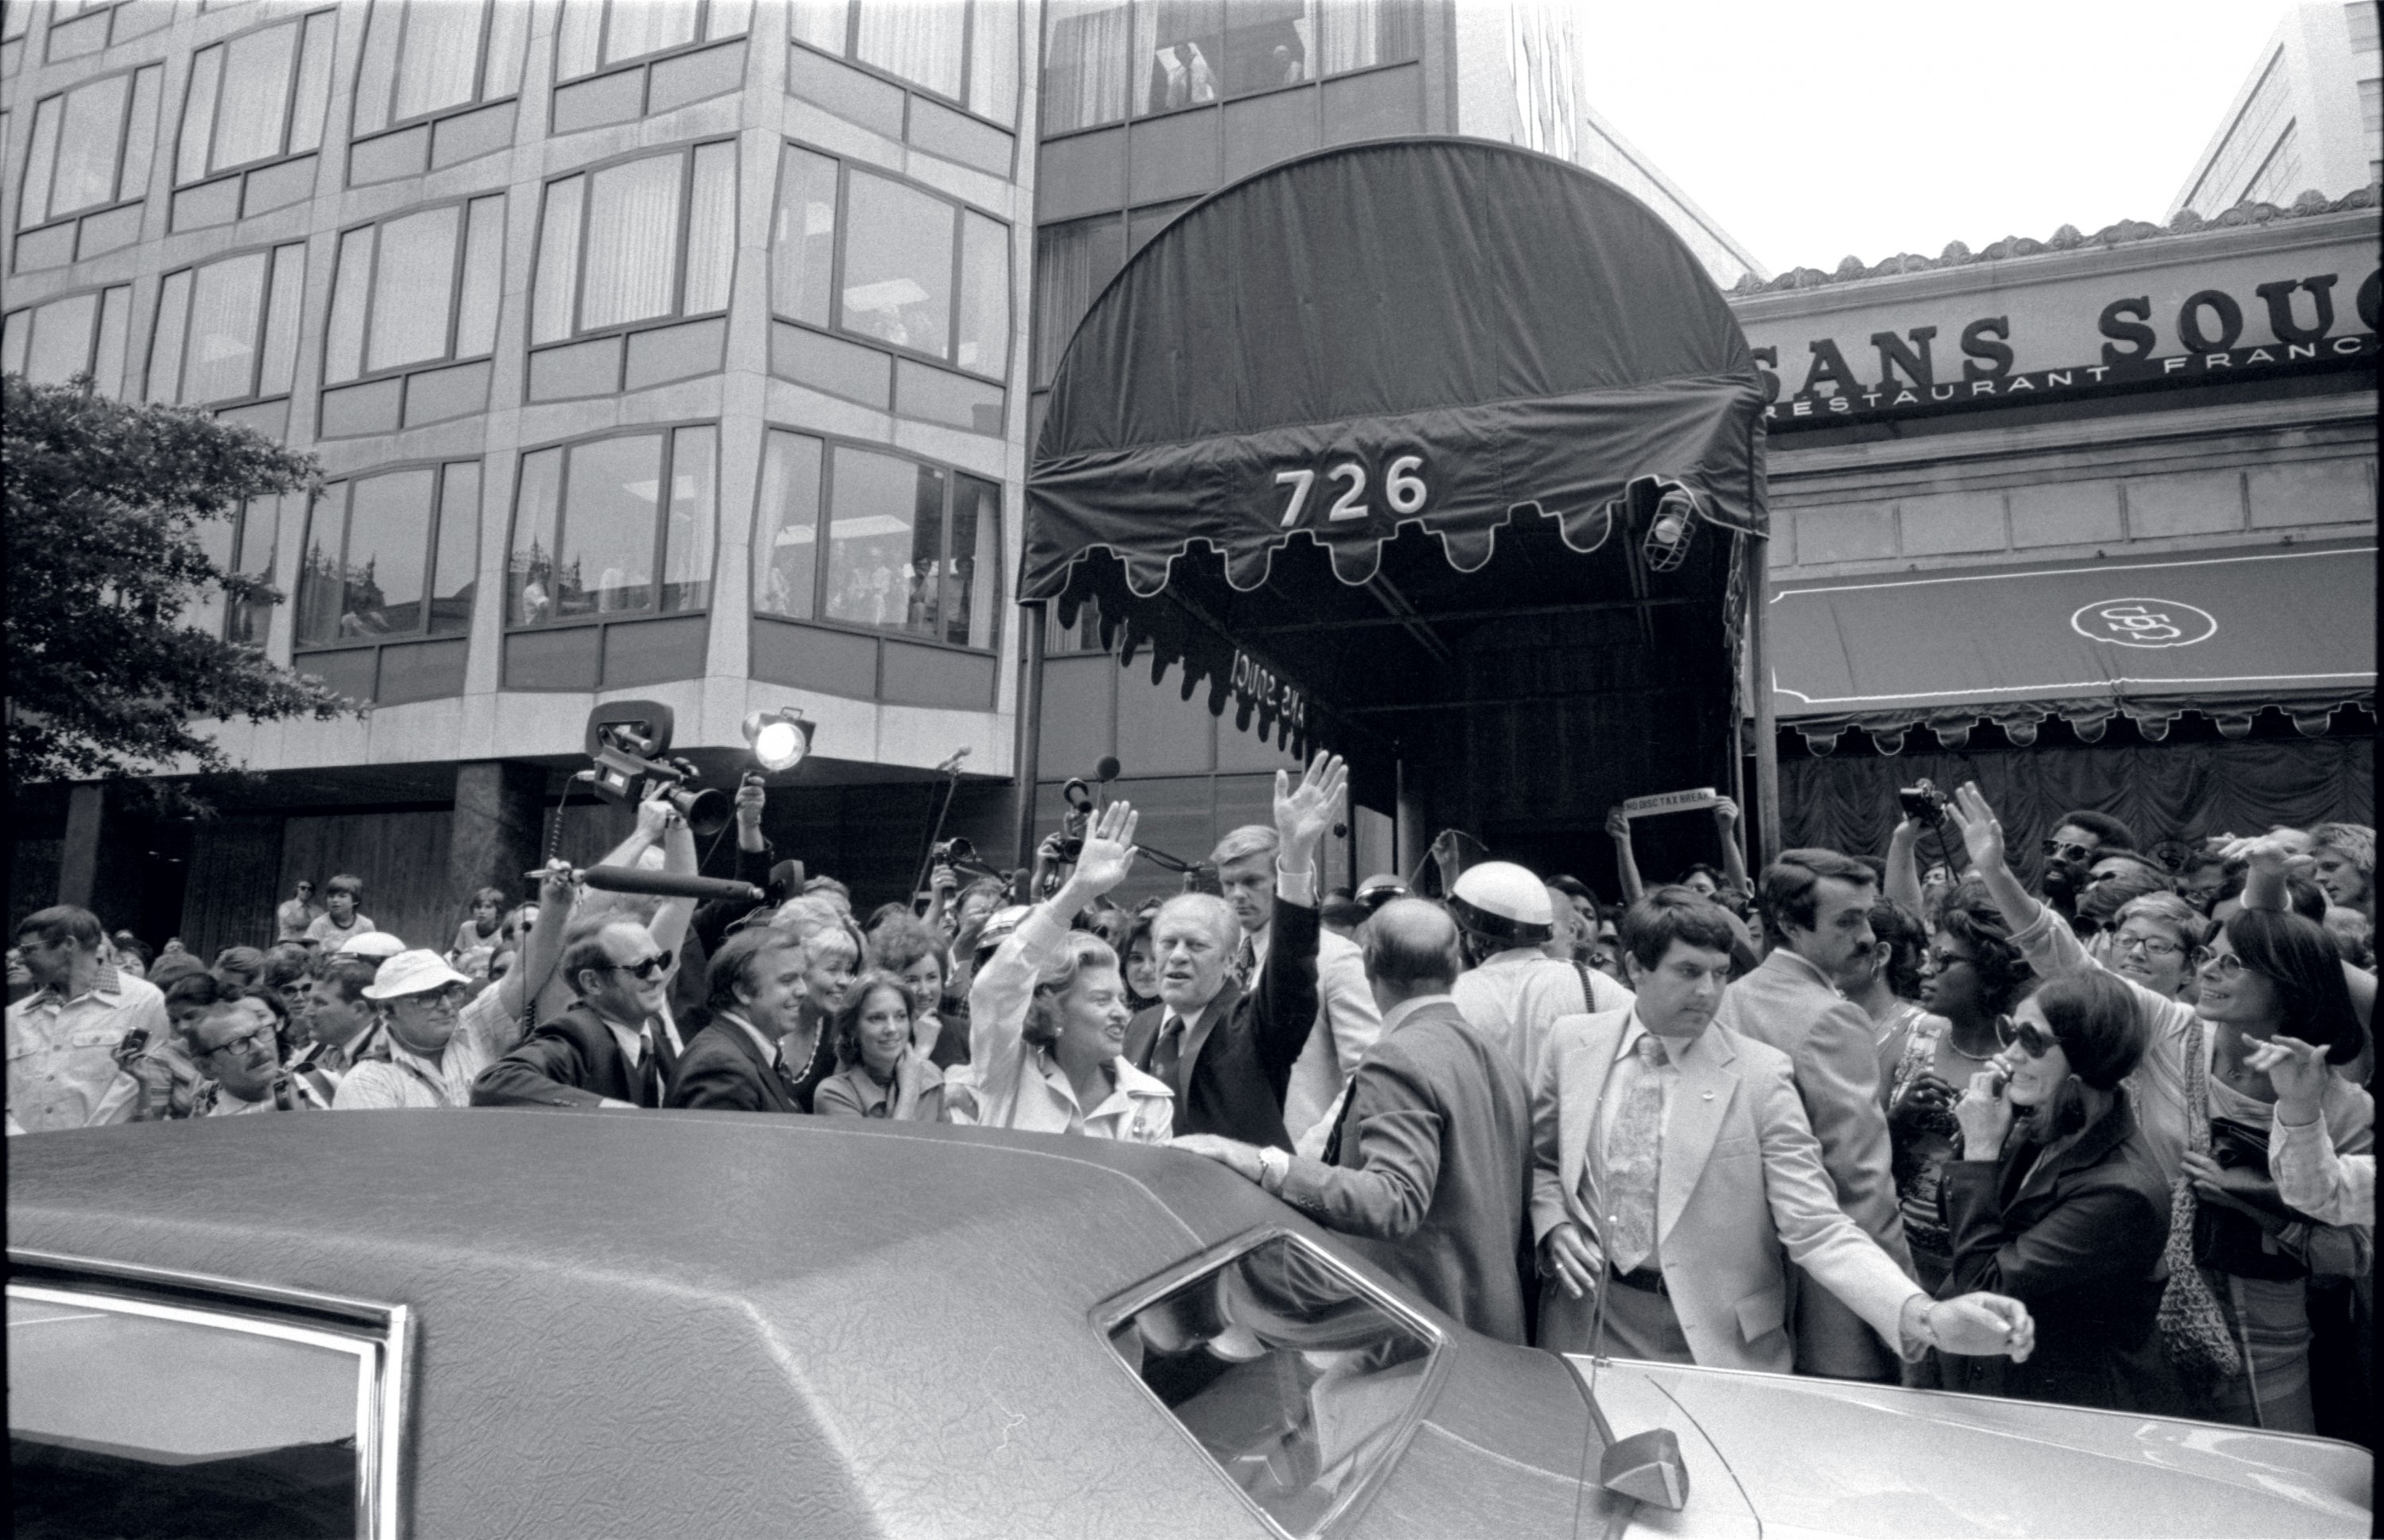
column 106, row 986
column 1798, row 963
column 770, row 1052
column 1398, row 1014
column 633, row 1039
column 1633, row 1029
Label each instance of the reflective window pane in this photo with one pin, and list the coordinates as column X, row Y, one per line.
column 553, row 306
column 785, row 534
column 88, row 143
column 198, row 114
column 320, row 590
column 225, row 304
column 984, row 345
column 897, row 264
column 253, row 111
column 377, row 72
column 802, row 237
column 312, row 96
column 530, row 566
column 1356, row 35
column 278, row 367
column 971, row 608
column 632, row 240
column 686, row 543
column 821, row 23
column 61, row 345
column 454, row 572
column 34, row 207
column 141, row 137
column 918, row 39
column 260, row 524
column 1267, row 46
column 413, row 287
column 726, row 19
column 608, row 560
column 343, row 347
column 164, row 382
column 115, row 332
column 1072, row 263
column 877, row 537
column 441, row 56
column 388, row 537
column 993, row 61
column 484, row 278
column 636, row 27
column 1087, row 65
column 1179, row 46
column 578, row 37
column 710, row 230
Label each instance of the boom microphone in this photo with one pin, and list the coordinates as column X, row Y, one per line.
column 669, row 885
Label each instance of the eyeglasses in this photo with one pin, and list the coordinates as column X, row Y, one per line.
column 2033, row 1040
column 2226, row 965
column 2067, row 849
column 262, row 1035
column 2151, row 946
column 647, row 969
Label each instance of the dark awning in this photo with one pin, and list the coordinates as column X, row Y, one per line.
column 2225, row 634
column 1372, row 443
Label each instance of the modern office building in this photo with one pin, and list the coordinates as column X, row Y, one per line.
column 683, row 351
column 2310, row 117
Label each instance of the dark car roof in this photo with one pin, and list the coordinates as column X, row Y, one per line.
column 699, row 1323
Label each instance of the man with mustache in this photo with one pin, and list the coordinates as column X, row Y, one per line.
column 1817, row 906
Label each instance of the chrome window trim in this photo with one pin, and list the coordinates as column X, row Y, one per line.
column 1114, row 1313
column 381, row 1335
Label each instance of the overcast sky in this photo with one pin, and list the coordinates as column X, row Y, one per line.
column 1810, row 131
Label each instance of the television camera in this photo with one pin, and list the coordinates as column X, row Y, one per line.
column 629, row 743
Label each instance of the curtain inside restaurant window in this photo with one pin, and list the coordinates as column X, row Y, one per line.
column 88, row 143
column 971, row 606
column 166, row 340
column 873, row 502
column 253, row 113
column 897, row 264
column 34, row 206
column 343, row 340
column 508, row 39
column 786, row 526
column 554, row 308
column 61, row 345
column 227, row 298
column 823, row 24
column 529, row 566
column 1072, row 265
column 633, row 227
column 802, row 236
column 441, row 56
column 319, row 585
column 919, row 40
column 1179, row 46
column 993, row 60
column 484, row 256
column 1354, row 35
column 455, row 570
column 578, row 38
column 198, row 114
column 711, row 229
column 922, row 600
column 636, row 27
column 278, row 367
column 389, row 535
column 609, row 507
column 414, row 287
column 686, row 540
column 1086, row 69
column 984, row 332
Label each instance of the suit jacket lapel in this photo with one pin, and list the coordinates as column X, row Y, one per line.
column 773, row 1087
column 1581, row 1081
column 1700, row 1097
column 1197, row 1037
column 2090, row 1147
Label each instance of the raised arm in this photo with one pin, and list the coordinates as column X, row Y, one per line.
column 1626, row 865
column 1983, row 834
column 1733, row 858
column 670, row 923
column 1285, row 1010
column 1904, row 865
column 1003, row 988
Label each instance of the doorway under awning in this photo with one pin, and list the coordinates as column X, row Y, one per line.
column 2225, row 634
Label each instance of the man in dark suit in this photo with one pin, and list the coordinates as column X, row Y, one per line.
column 1429, row 1167
column 611, row 1049
column 1228, row 1055
column 735, row 1063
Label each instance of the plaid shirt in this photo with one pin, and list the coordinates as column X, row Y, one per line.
column 62, row 1066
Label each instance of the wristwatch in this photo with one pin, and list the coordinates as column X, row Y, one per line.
column 1273, row 1167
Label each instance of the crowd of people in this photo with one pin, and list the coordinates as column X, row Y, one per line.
column 2105, row 1140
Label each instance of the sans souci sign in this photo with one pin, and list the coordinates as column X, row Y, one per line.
column 2237, row 319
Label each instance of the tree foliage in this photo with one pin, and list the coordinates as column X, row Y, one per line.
column 105, row 501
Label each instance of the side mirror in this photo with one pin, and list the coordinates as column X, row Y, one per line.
column 1647, row 1466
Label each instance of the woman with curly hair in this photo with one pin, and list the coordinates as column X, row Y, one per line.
column 884, row 1074
column 1968, row 982
column 906, row 947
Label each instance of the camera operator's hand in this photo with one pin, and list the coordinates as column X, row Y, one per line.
column 750, row 796
column 654, row 815
column 1303, row 813
column 944, row 882
column 1109, row 852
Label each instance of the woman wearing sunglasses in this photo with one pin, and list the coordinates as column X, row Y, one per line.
column 2205, row 1112
column 2057, row 1200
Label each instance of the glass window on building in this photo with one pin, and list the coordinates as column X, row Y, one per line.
column 909, row 548
column 257, row 97
column 1072, row 264
column 920, row 272
column 1103, row 58
column 425, row 57
column 91, row 146
column 595, row 534
column 51, row 343
column 644, row 240
column 392, row 555
column 964, row 51
column 418, row 289
column 597, row 35
column 244, row 542
column 227, row 332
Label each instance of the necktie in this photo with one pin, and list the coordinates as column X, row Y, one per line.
column 649, row 1071
column 1635, row 1146
column 1164, row 1058
column 1245, row 963
column 785, row 1075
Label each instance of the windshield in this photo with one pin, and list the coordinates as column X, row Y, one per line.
column 1295, row 1379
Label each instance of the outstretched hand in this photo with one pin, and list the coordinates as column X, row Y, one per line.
column 2268, row 853
column 2298, row 1073
column 1984, row 1325
column 1304, row 813
column 1983, row 832
column 1109, row 852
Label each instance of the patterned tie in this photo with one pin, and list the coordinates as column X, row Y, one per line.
column 1634, row 1147
column 1245, row 963
column 1163, row 1059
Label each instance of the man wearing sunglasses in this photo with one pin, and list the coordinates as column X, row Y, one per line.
column 2077, row 841
column 614, row 1047
column 234, row 1046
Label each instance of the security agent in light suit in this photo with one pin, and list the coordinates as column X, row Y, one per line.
column 1515, row 992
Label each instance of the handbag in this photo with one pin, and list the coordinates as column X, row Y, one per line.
column 2191, row 1327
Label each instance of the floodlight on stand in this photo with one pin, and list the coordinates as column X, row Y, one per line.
column 781, row 739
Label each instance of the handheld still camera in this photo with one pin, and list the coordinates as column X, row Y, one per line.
column 628, row 743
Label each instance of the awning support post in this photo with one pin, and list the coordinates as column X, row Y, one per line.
column 1755, row 551
column 1030, row 725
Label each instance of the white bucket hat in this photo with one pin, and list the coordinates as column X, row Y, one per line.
column 377, row 945
column 412, row 973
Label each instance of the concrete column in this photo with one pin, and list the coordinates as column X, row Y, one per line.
column 79, row 855
column 496, row 833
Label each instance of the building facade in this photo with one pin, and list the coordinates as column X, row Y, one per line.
column 2309, row 117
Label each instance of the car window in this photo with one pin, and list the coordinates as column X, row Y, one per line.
column 1297, row 1378
column 132, row 1418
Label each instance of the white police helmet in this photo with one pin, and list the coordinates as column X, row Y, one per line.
column 1499, row 902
